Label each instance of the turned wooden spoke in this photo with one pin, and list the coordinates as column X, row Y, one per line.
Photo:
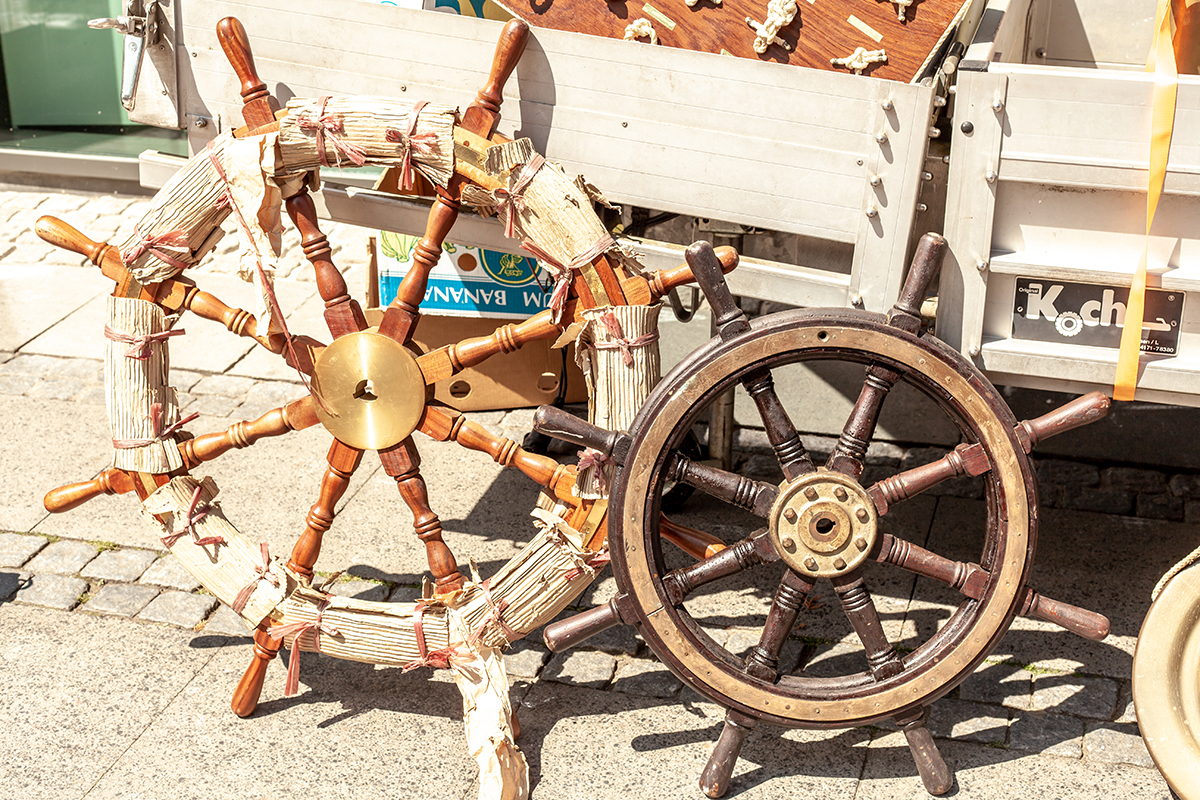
column 343, row 314
column 245, row 696
column 714, row 779
column 446, row 425
column 343, row 460
column 856, row 601
column 258, row 107
column 295, row 416
column 971, row 580
column 403, row 463
column 73, row 495
column 697, row 544
column 851, row 449
column 483, row 114
column 754, row 496
column 401, row 317
column 793, row 458
column 936, row 776
column 452, row 359
column 763, row 659
column 756, row 549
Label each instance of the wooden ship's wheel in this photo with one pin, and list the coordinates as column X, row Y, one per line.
column 820, row 523
column 368, row 387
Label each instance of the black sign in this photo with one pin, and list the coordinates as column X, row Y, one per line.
column 1088, row 314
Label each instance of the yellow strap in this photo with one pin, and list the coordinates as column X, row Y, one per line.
column 1162, row 64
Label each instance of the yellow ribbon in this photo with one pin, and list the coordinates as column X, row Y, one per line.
column 1166, row 78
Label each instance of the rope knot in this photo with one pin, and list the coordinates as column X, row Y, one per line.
column 330, row 126
column 297, row 630
column 168, row 247
column 421, row 144
column 140, row 344
column 193, row 515
column 264, row 574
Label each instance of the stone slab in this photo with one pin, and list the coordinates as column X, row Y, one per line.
column 169, row 573
column 178, row 609
column 971, row 722
column 11, row 582
column 52, row 591
column 125, row 565
column 65, row 557
column 1046, row 733
column 1081, row 695
column 525, row 659
column 361, row 590
column 1115, row 743
column 647, row 678
column 16, row 549
column 36, row 298
column 225, row 621
column 121, row 599
column 584, row 668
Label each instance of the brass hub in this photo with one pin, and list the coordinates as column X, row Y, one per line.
column 823, row 524
column 373, row 388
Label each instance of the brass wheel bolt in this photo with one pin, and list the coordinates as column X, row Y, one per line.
column 860, row 543
column 790, row 514
column 840, row 493
column 862, row 515
column 839, row 563
column 789, row 543
column 810, row 563
column 810, row 493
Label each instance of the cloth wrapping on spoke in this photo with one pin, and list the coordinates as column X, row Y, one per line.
column 133, row 387
column 616, row 390
column 223, row 569
column 363, row 123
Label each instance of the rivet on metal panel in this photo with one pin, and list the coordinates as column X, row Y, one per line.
column 1040, row 52
column 975, row 351
column 934, row 132
column 981, row 265
column 967, row 127
column 887, row 105
column 881, row 137
column 990, row 176
column 876, row 180
column 939, row 102
column 997, row 105
column 922, row 208
column 856, row 300
column 872, row 212
column 926, row 176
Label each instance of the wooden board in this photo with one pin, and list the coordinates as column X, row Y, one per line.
column 822, row 29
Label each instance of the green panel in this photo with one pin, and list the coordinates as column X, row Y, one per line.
column 59, row 71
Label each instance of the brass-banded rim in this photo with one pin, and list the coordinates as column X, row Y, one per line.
column 960, row 644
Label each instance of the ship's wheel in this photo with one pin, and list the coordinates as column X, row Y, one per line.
column 822, row 524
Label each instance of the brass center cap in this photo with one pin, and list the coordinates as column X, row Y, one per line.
column 823, row 524
column 373, row 388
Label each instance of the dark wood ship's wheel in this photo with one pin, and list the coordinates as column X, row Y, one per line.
column 820, row 523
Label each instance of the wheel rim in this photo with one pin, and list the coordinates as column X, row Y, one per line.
column 938, row 664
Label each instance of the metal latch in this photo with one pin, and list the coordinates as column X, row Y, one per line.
column 140, row 26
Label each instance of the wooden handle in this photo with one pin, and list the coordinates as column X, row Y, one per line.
column 245, row 696
column 58, row 233
column 566, row 633
column 1087, row 624
column 697, row 544
column 710, row 274
column 482, row 115
column 566, row 426
column 256, row 100
column 110, row 481
column 1080, row 411
column 927, row 260
column 664, row 281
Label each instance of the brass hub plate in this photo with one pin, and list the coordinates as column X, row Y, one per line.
column 373, row 388
column 823, row 524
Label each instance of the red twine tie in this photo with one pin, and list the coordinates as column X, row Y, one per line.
column 422, row 144
column 512, row 201
column 298, row 629
column 160, row 433
column 158, row 247
column 264, row 574
column 438, row 659
column 139, row 345
column 189, row 525
column 595, row 564
column 594, row 458
column 328, row 126
column 562, row 272
column 496, row 609
column 619, row 342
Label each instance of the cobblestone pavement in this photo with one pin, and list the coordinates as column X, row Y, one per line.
column 89, row 597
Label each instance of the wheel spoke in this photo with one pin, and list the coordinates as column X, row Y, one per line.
column 401, row 317
column 403, row 463
column 343, row 460
column 860, row 609
column 295, row 416
column 964, row 460
column 448, row 361
column 697, row 544
column 756, row 549
column 763, row 660
column 793, row 458
column 343, row 314
column 756, row 497
column 851, row 448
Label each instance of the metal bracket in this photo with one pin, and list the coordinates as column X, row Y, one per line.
column 139, row 24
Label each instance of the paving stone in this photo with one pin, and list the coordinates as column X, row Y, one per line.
column 1043, row 732
column 581, row 668
column 1125, row 709
column 11, row 582
column 1050, row 494
column 1160, row 506
column 647, row 678
column 119, row 565
column 170, row 573
column 618, row 640
column 54, row 389
column 1132, row 479
column 57, row 204
column 52, row 591
column 360, row 590
column 225, row 622
column 1185, row 485
column 1101, row 501
column 65, row 557
column 1082, row 695
column 1067, row 473
column 38, row 366
column 525, row 659
column 740, row 640
column 1115, row 743
column 16, row 549
column 91, row 395
column 179, row 609
column 268, row 395
column 184, row 379
column 1007, row 684
column 89, row 370
column 223, row 385
column 121, row 599
column 209, row 405
column 17, row 384
column 405, row 594
column 972, row 722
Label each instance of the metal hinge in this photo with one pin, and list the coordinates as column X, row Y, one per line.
column 139, row 24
